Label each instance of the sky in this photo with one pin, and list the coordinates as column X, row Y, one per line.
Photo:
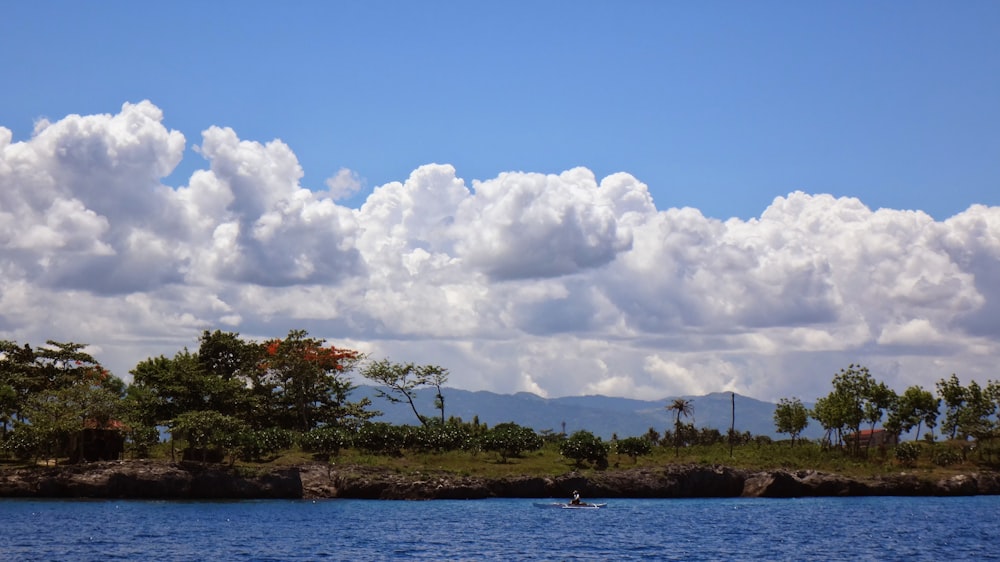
column 641, row 199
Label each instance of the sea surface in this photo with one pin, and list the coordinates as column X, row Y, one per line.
column 503, row 529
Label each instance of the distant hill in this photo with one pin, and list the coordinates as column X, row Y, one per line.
column 601, row 415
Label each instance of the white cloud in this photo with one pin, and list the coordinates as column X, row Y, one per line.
column 555, row 284
column 344, row 184
column 524, row 226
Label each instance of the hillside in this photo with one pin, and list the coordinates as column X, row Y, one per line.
column 602, row 415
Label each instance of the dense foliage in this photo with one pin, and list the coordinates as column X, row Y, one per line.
column 585, row 447
column 858, row 403
column 255, row 400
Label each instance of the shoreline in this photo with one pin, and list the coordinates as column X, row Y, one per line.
column 145, row 479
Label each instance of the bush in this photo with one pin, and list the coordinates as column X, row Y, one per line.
column 140, row 440
column 325, row 441
column 907, row 453
column 634, row 447
column 207, row 431
column 437, row 437
column 584, row 446
column 23, row 442
column 264, row 443
column 947, row 457
column 381, row 438
column 510, row 440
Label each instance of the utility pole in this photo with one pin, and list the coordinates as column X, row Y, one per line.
column 732, row 426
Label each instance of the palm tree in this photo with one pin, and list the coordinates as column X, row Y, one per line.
column 680, row 407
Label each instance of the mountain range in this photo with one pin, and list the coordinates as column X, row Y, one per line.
column 603, row 416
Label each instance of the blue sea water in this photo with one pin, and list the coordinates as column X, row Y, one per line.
column 503, row 529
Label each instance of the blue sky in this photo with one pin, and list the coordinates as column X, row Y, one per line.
column 545, row 188
column 719, row 106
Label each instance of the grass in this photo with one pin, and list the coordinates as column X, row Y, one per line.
column 548, row 461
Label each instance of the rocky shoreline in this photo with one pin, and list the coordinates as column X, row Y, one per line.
column 185, row 481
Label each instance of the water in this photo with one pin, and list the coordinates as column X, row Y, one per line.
column 827, row 529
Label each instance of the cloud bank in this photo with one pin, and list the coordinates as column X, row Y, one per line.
column 555, row 284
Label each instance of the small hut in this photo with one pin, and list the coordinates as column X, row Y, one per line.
column 98, row 442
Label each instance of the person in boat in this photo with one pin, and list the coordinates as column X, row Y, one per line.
column 576, row 498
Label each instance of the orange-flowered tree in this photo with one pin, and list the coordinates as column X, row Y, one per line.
column 309, row 382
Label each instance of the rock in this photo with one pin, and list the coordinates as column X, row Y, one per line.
column 148, row 480
column 164, row 480
column 958, row 485
column 824, row 484
column 776, row 484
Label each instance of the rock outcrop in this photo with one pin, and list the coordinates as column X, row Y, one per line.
column 148, row 480
column 188, row 480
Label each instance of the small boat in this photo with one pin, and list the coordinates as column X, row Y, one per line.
column 581, row 505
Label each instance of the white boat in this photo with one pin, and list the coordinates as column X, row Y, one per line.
column 581, row 505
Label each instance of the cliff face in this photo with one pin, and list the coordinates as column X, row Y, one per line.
column 159, row 480
column 147, row 480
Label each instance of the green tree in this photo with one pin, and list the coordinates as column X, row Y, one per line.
column 8, row 407
column 583, row 446
column 399, row 382
column 510, row 440
column 855, row 398
column 164, row 388
column 634, row 447
column 652, row 436
column 877, row 399
column 234, row 367
column 435, row 376
column 61, row 365
column 953, row 394
column 57, row 389
column 680, row 407
column 56, row 415
column 207, row 430
column 791, row 417
column 312, row 382
column 975, row 418
column 17, row 364
column 829, row 412
column 916, row 407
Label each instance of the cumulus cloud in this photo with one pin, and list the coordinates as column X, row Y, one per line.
column 524, row 226
column 343, row 184
column 555, row 284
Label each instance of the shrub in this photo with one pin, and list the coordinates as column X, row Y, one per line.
column 634, row 447
column 208, row 431
column 907, row 453
column 23, row 442
column 140, row 439
column 325, row 441
column 947, row 457
column 438, row 437
column 380, row 438
column 584, row 446
column 510, row 440
column 258, row 445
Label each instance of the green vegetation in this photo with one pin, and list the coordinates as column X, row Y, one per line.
column 286, row 401
column 680, row 407
column 585, row 447
column 791, row 417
